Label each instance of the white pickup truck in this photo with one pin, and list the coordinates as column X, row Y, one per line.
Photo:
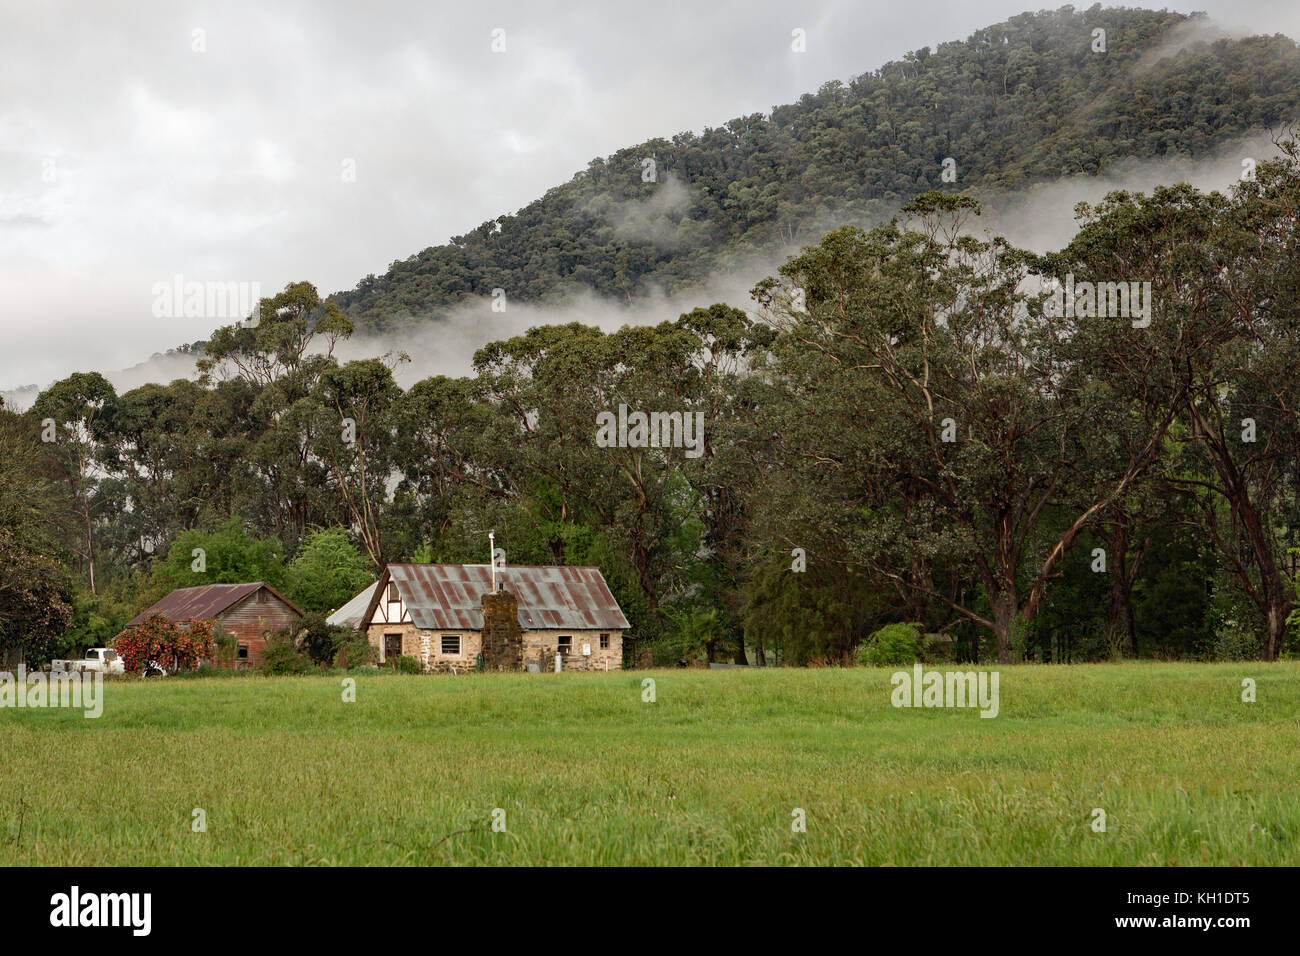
column 103, row 659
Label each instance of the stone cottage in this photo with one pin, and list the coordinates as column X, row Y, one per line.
column 445, row 615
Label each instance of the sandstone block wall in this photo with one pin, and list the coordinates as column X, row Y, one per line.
column 540, row 645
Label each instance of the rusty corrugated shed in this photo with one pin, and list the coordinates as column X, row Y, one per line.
column 205, row 602
column 449, row 596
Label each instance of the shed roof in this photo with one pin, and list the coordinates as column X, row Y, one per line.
column 205, row 602
column 449, row 596
column 352, row 613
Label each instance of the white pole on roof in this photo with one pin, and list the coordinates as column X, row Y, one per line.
column 492, row 557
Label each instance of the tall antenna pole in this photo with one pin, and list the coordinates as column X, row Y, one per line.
column 492, row 557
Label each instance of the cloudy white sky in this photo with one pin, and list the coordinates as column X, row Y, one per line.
column 133, row 149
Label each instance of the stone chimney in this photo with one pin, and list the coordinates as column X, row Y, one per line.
column 503, row 638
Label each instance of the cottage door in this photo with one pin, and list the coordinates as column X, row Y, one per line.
column 392, row 645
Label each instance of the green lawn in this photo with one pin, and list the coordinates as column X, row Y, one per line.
column 710, row 773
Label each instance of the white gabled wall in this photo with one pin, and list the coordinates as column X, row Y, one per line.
column 391, row 612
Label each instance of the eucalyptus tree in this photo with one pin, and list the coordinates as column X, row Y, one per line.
column 281, row 354
column 73, row 413
column 39, row 515
column 942, row 411
column 358, row 452
column 151, row 457
column 728, row 344
column 452, row 449
column 288, row 341
column 582, row 456
column 1221, row 354
column 550, row 384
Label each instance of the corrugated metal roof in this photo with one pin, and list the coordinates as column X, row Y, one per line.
column 449, row 596
column 350, row 614
column 205, row 602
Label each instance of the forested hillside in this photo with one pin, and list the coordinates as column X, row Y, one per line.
column 1022, row 101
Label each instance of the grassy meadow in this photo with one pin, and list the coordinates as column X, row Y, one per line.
column 710, row 773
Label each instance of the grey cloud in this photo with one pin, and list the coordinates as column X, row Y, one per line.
column 126, row 157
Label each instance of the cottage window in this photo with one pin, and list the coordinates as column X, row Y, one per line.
column 604, row 642
column 565, row 642
column 261, row 597
column 451, row 643
column 243, row 651
column 392, row 645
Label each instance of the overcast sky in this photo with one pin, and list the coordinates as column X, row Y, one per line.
column 134, row 149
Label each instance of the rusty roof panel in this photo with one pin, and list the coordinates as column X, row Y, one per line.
column 449, row 596
column 205, row 602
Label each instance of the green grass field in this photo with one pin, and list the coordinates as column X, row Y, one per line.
column 587, row 773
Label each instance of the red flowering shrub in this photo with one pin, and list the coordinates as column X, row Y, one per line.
column 158, row 642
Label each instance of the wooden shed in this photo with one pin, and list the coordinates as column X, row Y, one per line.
column 248, row 611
